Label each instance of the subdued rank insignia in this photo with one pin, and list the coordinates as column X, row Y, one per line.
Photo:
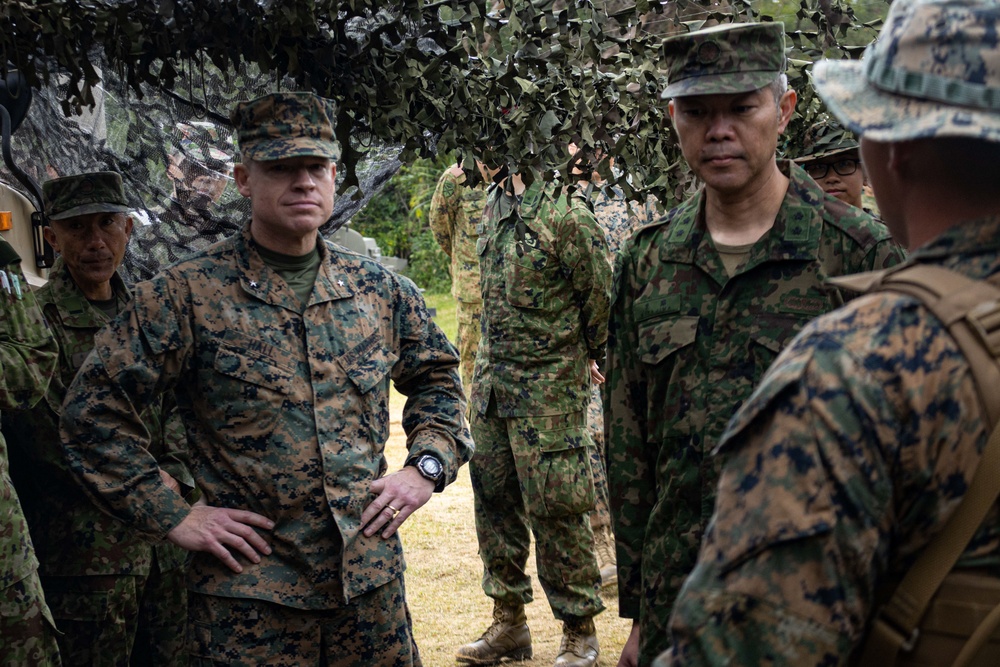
column 526, row 236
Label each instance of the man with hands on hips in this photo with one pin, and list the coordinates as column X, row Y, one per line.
column 280, row 347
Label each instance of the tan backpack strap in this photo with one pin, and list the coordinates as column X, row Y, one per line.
column 895, row 626
column 978, row 638
column 970, row 309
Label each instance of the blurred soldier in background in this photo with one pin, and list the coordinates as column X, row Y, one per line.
column 829, row 154
column 455, row 214
column 28, row 360
column 198, row 170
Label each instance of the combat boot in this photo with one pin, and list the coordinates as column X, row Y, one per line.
column 604, row 550
column 579, row 644
column 508, row 638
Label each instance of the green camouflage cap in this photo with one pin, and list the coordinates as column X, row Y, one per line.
column 933, row 72
column 95, row 192
column 824, row 138
column 282, row 125
column 731, row 58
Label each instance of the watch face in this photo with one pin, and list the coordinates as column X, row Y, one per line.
column 430, row 466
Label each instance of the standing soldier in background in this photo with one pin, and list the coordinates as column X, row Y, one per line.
column 705, row 299
column 858, row 450
column 830, row 156
column 28, row 358
column 198, row 172
column 456, row 211
column 115, row 597
column 545, row 277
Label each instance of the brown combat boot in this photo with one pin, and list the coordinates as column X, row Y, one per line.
column 604, row 550
column 579, row 644
column 508, row 638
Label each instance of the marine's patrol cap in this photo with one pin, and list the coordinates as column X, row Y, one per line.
column 731, row 58
column 934, row 71
column 282, row 125
column 824, row 138
column 95, row 192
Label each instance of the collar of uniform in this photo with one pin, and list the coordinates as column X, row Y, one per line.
column 972, row 237
column 794, row 236
column 332, row 281
column 258, row 279
column 75, row 311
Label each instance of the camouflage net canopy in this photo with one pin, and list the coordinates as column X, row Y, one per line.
column 175, row 154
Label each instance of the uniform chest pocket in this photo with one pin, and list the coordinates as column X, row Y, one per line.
column 660, row 338
column 368, row 366
column 525, row 276
column 770, row 334
column 252, row 393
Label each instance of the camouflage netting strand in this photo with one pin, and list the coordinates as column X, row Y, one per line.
column 175, row 154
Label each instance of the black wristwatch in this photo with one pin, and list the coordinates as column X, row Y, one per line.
column 430, row 467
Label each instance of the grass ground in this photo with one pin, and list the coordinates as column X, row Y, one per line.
column 444, row 571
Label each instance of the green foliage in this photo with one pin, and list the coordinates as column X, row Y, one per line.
column 397, row 219
column 428, row 264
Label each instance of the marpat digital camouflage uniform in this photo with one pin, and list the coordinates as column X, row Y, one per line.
column 286, row 409
column 28, row 358
column 83, row 552
column 687, row 345
column 545, row 277
column 863, row 437
column 286, row 406
column 455, row 213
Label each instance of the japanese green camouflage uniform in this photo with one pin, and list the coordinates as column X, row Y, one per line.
column 28, row 358
column 286, row 410
column 851, row 455
column 455, row 212
column 613, row 216
column 687, row 345
column 545, row 279
column 101, row 580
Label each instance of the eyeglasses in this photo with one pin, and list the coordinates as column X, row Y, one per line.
column 842, row 167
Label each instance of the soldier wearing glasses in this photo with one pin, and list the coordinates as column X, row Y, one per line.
column 830, row 156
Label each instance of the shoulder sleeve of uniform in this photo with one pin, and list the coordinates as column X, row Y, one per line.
column 859, row 225
column 156, row 308
column 411, row 309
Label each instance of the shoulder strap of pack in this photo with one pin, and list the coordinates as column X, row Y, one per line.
column 970, row 309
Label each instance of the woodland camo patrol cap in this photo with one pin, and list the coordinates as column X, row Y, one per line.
column 824, row 138
column 82, row 194
column 283, row 125
column 933, row 72
column 731, row 58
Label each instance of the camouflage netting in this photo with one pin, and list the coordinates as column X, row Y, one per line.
column 175, row 155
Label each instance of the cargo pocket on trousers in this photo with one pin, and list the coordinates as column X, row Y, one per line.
column 564, row 479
